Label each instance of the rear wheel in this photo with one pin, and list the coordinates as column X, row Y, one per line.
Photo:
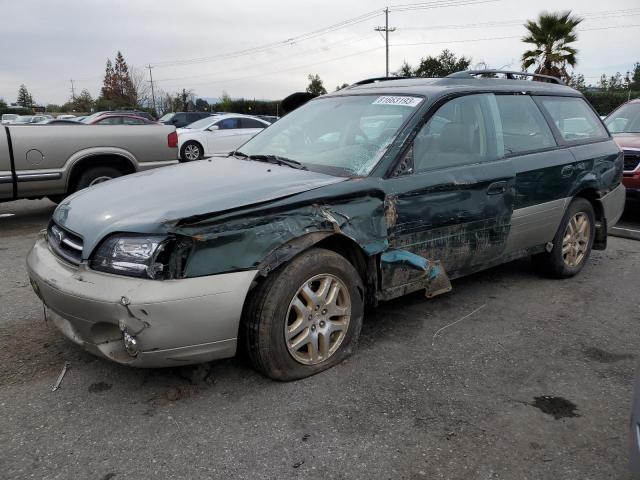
column 191, row 151
column 305, row 317
column 572, row 243
column 96, row 175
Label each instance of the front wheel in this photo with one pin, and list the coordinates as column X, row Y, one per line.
column 572, row 243
column 191, row 151
column 305, row 317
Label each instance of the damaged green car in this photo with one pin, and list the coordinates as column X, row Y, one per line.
column 383, row 188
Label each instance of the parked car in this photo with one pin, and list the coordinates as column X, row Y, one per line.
column 117, row 119
column 60, row 121
column 137, row 113
column 66, row 117
column 217, row 134
column 182, row 119
column 624, row 124
column 359, row 196
column 268, row 118
column 56, row 160
column 30, row 119
column 8, row 118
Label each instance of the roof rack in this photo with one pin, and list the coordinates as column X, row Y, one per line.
column 376, row 80
column 507, row 73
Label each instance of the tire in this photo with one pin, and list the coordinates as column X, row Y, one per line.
column 269, row 314
column 564, row 265
column 95, row 175
column 191, row 151
column 56, row 198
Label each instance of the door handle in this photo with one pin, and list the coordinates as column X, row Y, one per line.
column 566, row 171
column 497, row 188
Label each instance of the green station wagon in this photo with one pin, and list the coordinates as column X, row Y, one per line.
column 386, row 187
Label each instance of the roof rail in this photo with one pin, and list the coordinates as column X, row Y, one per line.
column 376, row 80
column 507, row 73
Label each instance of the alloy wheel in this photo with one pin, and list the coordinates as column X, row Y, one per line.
column 575, row 242
column 192, row 152
column 317, row 319
column 98, row 180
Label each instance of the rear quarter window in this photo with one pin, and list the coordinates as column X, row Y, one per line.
column 574, row 119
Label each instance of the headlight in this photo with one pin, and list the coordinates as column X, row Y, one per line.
column 144, row 256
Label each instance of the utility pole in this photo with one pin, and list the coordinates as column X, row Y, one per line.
column 386, row 31
column 153, row 93
column 73, row 91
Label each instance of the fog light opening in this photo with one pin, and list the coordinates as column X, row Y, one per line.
column 130, row 343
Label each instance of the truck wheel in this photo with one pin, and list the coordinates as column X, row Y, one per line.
column 572, row 243
column 191, row 151
column 96, row 175
column 305, row 317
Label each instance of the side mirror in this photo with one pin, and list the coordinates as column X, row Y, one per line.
column 213, row 127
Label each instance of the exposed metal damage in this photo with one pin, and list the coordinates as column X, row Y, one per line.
column 271, row 236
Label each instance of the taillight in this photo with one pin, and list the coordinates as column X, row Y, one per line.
column 172, row 140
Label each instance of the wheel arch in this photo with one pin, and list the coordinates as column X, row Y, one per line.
column 365, row 265
column 592, row 195
column 121, row 162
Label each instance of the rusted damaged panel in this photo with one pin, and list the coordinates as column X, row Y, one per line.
column 403, row 272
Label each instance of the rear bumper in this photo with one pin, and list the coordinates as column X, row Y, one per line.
column 613, row 205
column 175, row 322
column 634, row 431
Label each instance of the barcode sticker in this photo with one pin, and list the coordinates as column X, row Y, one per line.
column 397, row 100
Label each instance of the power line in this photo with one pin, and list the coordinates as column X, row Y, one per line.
column 323, row 31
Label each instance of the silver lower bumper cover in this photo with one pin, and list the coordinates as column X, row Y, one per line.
column 175, row 322
column 613, row 205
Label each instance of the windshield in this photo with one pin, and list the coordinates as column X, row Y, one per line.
column 166, row 117
column 202, row 123
column 624, row 120
column 345, row 135
column 23, row 119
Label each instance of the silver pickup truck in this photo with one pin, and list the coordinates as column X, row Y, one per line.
column 56, row 160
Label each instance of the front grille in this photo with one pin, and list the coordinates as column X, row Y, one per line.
column 64, row 243
column 631, row 160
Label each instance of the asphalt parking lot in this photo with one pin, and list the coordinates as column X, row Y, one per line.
column 534, row 385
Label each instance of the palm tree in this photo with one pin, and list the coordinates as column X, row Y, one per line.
column 552, row 35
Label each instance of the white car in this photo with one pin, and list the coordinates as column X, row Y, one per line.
column 7, row 118
column 217, row 134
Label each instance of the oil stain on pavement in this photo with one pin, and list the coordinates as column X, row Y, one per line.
column 556, row 406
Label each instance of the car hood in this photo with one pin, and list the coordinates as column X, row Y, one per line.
column 627, row 140
column 152, row 201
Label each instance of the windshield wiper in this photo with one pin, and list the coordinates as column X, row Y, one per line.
column 278, row 161
column 275, row 159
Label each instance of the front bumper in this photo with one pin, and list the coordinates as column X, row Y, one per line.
column 175, row 322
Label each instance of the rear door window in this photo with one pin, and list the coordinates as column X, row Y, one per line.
column 524, row 128
column 251, row 123
column 461, row 132
column 228, row 124
column 574, row 119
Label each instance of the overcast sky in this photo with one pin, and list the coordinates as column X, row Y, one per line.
column 45, row 43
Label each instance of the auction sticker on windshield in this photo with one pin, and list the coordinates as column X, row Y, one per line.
column 396, row 100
